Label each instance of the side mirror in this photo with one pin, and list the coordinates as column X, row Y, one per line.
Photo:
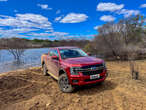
column 55, row 57
column 89, row 53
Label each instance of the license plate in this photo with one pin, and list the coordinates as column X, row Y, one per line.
column 95, row 76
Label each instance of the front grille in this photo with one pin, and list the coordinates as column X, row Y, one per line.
column 93, row 69
column 96, row 67
column 93, row 72
column 87, row 80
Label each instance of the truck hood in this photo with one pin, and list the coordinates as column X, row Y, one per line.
column 82, row 61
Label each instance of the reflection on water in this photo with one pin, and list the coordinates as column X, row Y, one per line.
column 31, row 58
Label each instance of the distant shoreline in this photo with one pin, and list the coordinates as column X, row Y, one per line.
column 26, row 48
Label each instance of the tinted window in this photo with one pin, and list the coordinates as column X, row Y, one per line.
column 72, row 53
column 53, row 52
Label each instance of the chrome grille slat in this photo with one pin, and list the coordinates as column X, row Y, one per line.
column 93, row 72
column 91, row 69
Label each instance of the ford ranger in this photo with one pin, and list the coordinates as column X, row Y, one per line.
column 72, row 67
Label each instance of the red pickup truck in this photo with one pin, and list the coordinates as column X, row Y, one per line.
column 72, row 67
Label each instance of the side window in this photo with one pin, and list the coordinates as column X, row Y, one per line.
column 53, row 52
column 50, row 52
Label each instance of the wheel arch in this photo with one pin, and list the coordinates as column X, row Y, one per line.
column 62, row 71
column 43, row 63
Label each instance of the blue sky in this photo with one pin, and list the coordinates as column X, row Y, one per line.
column 62, row 19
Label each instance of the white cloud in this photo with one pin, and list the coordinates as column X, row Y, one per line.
column 21, row 30
column 46, row 35
column 59, row 34
column 143, row 6
column 44, row 6
column 58, row 18
column 128, row 13
column 3, row 0
column 28, row 25
column 39, row 34
column 27, row 20
column 112, row 7
column 50, row 34
column 23, row 24
column 74, row 18
column 16, row 32
column 107, row 18
column 109, row 7
column 36, row 18
column 79, row 37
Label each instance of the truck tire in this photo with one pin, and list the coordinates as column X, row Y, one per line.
column 45, row 71
column 64, row 85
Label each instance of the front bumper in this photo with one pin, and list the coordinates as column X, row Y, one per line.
column 85, row 80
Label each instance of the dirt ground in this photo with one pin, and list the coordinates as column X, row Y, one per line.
column 30, row 90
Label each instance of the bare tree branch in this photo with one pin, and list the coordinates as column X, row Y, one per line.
column 16, row 47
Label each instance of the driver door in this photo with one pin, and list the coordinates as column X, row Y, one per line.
column 53, row 64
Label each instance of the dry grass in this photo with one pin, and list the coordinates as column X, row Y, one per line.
column 30, row 90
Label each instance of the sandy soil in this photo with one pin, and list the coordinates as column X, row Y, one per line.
column 30, row 90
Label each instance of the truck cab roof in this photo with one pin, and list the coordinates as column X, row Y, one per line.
column 63, row 47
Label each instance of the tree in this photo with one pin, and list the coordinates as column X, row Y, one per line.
column 122, row 40
column 132, row 31
column 89, row 47
column 16, row 47
column 110, row 39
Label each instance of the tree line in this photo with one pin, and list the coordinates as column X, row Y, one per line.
column 123, row 40
column 118, row 40
column 17, row 46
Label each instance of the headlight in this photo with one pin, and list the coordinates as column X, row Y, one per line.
column 74, row 70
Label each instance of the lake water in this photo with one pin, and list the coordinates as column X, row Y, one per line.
column 31, row 58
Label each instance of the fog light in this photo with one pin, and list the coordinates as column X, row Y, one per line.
column 75, row 81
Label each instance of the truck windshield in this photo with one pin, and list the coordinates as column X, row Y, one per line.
column 72, row 53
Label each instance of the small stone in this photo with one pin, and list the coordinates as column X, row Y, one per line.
column 76, row 100
column 48, row 104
